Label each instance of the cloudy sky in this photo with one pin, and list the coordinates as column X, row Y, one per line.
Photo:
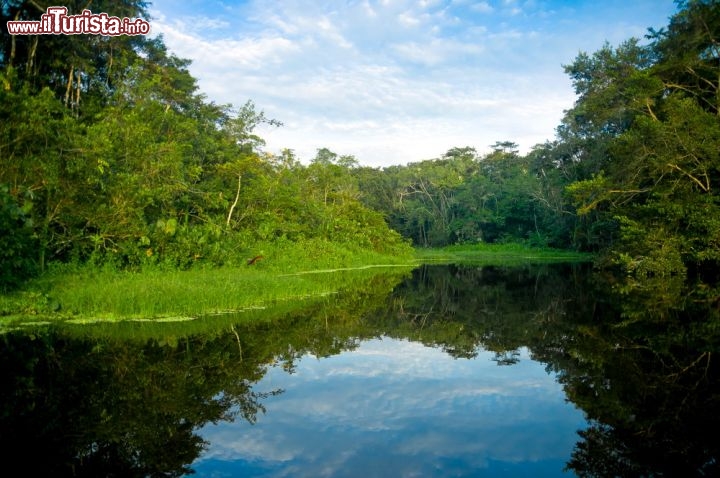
column 396, row 81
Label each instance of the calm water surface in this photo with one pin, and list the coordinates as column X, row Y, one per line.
column 398, row 408
column 445, row 371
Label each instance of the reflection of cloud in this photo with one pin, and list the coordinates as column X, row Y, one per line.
column 404, row 405
column 259, row 444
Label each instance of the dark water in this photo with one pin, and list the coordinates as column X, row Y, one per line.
column 449, row 371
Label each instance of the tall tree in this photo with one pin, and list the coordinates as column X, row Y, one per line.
column 661, row 173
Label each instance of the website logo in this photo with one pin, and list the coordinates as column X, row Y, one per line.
column 56, row 21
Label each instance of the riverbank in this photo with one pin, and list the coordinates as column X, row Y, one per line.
column 270, row 274
column 289, row 274
column 498, row 255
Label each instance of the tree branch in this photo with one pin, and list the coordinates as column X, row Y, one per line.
column 704, row 187
column 237, row 198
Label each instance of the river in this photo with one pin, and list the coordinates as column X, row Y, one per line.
column 547, row 370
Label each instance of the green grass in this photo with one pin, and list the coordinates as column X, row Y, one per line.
column 285, row 274
column 168, row 295
column 288, row 273
column 498, row 255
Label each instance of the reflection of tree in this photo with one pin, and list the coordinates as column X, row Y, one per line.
column 657, row 424
column 644, row 373
column 116, row 409
column 507, row 358
column 463, row 308
column 640, row 364
column 89, row 405
column 636, row 358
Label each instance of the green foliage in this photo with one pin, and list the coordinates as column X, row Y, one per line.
column 648, row 133
column 460, row 198
column 512, row 254
column 151, row 174
column 288, row 271
column 129, row 166
column 17, row 244
column 646, row 252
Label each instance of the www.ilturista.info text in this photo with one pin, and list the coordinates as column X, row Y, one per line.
column 56, row 21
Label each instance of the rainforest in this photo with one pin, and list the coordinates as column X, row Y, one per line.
column 175, row 299
column 110, row 157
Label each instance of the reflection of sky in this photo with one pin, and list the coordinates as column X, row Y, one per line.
column 397, row 408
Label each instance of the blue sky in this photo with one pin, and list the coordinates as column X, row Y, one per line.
column 396, row 81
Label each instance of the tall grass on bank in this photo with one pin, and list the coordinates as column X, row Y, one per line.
column 286, row 272
column 497, row 255
column 91, row 293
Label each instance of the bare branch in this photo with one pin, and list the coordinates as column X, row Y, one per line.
column 237, row 198
column 704, row 187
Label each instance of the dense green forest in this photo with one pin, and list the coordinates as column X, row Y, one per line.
column 109, row 154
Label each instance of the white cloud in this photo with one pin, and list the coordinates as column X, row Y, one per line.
column 408, row 19
column 482, row 7
column 332, row 33
column 390, row 82
column 436, row 51
column 224, row 54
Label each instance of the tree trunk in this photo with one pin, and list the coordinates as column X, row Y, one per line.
column 12, row 42
column 69, row 85
column 31, row 56
column 76, row 104
column 237, row 198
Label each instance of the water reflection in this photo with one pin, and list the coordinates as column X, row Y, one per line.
column 450, row 371
column 397, row 408
column 647, row 377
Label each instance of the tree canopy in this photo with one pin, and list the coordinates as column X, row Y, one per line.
column 109, row 153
